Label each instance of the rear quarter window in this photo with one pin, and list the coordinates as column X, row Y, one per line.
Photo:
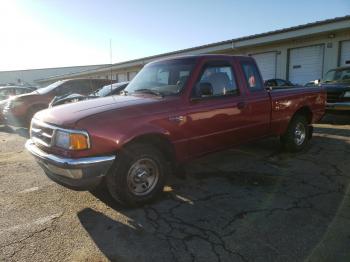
column 252, row 76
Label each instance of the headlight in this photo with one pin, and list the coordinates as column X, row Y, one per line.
column 347, row 94
column 71, row 141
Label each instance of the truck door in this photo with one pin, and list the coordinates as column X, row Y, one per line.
column 258, row 104
column 216, row 111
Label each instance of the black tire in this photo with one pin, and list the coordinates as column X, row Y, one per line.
column 293, row 141
column 118, row 179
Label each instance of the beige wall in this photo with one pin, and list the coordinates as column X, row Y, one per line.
column 331, row 53
column 30, row 76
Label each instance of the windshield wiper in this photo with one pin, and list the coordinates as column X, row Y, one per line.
column 149, row 91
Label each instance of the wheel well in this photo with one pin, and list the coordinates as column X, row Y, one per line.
column 159, row 141
column 305, row 111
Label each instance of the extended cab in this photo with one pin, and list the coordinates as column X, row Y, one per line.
column 19, row 110
column 172, row 111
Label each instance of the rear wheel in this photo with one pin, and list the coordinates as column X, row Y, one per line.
column 138, row 175
column 297, row 135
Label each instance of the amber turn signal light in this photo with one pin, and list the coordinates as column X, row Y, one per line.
column 78, row 142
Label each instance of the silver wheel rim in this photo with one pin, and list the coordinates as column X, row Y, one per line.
column 143, row 176
column 299, row 134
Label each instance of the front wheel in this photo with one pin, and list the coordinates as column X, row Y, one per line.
column 138, row 175
column 297, row 135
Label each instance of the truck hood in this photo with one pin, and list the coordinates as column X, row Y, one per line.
column 69, row 114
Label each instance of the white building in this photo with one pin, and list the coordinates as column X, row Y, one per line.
column 299, row 54
column 20, row 77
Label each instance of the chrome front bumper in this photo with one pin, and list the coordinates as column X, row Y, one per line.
column 78, row 174
column 341, row 106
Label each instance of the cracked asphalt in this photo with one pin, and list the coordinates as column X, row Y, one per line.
column 250, row 203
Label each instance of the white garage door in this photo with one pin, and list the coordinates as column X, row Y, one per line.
column 122, row 77
column 305, row 64
column 132, row 75
column 345, row 53
column 267, row 64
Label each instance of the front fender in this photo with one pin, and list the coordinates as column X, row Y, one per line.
column 147, row 129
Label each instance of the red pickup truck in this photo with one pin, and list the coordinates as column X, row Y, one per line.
column 172, row 111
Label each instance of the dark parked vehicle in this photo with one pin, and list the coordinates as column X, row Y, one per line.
column 20, row 109
column 337, row 84
column 10, row 91
column 278, row 83
column 173, row 111
column 2, row 105
column 108, row 90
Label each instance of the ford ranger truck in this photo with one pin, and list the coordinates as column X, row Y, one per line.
column 173, row 111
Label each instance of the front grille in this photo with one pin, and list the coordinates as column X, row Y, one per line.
column 336, row 97
column 333, row 97
column 41, row 133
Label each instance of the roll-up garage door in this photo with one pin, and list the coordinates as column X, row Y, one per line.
column 305, row 64
column 267, row 64
column 122, row 77
column 131, row 75
column 345, row 53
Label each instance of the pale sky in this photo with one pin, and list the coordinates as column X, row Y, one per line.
column 39, row 34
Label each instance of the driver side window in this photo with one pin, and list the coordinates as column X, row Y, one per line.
column 216, row 81
column 163, row 77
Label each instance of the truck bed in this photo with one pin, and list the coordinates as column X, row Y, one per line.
column 286, row 101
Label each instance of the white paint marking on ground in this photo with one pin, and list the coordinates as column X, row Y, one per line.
column 184, row 199
column 38, row 222
column 32, row 189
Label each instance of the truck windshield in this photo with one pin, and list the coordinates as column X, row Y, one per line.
column 51, row 87
column 337, row 75
column 107, row 89
column 164, row 78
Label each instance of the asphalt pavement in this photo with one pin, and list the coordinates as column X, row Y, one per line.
column 250, row 203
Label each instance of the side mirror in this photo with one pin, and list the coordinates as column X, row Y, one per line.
column 268, row 88
column 205, row 89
